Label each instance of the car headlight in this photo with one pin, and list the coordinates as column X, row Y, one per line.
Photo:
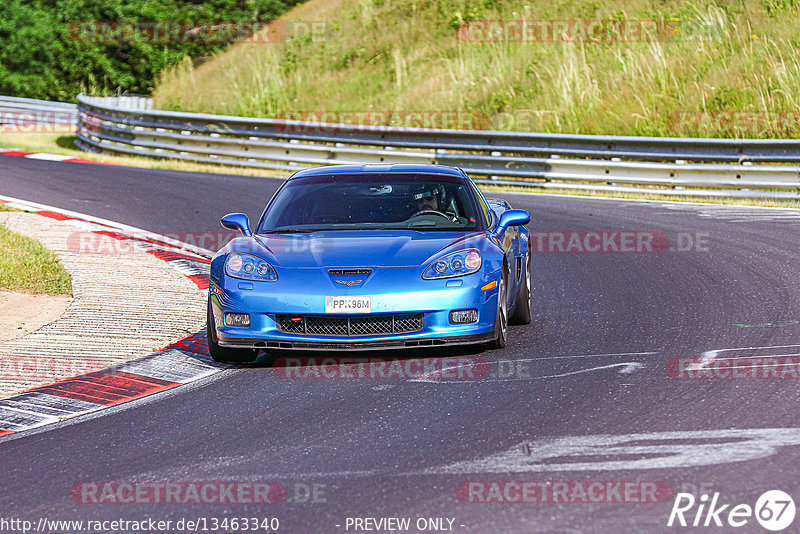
column 249, row 267
column 458, row 263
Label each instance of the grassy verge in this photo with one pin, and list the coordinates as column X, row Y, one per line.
column 714, row 68
column 26, row 265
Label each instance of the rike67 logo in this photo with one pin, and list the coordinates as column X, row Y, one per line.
column 774, row 510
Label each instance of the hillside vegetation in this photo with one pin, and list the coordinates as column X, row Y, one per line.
column 54, row 49
column 711, row 68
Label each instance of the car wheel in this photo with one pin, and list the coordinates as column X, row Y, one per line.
column 224, row 354
column 501, row 321
column 522, row 313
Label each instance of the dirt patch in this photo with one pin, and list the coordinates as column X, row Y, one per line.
column 23, row 313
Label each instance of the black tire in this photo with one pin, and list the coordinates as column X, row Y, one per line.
column 501, row 321
column 522, row 313
column 224, row 354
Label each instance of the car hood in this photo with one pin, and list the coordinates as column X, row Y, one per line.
column 385, row 248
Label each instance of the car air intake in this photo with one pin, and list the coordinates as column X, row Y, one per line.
column 350, row 325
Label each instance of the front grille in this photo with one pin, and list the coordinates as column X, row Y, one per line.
column 326, row 326
column 350, row 325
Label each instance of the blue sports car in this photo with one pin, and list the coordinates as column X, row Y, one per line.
column 370, row 257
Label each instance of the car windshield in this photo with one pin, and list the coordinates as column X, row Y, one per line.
column 373, row 201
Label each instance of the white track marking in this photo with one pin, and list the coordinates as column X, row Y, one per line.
column 739, row 213
column 627, row 368
column 672, row 204
column 586, row 356
column 648, row 450
column 709, row 210
column 49, row 157
column 709, row 357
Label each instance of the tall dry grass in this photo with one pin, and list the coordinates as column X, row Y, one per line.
column 731, row 68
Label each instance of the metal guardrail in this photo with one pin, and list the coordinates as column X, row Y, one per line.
column 130, row 126
column 29, row 111
column 125, row 102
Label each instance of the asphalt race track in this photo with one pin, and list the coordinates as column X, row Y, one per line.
column 581, row 394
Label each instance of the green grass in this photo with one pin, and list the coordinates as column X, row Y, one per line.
column 26, row 265
column 726, row 57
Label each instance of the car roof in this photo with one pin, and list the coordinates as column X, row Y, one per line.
column 397, row 168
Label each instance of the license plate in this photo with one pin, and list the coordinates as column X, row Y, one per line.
column 348, row 304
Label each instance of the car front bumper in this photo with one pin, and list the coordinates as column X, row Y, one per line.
column 432, row 298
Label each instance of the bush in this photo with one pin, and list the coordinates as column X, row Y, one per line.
column 43, row 53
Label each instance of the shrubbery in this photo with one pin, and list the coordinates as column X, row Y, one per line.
column 43, row 53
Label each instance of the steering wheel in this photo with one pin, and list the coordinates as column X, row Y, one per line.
column 430, row 212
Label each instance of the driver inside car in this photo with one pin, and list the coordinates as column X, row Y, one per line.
column 431, row 197
column 426, row 197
